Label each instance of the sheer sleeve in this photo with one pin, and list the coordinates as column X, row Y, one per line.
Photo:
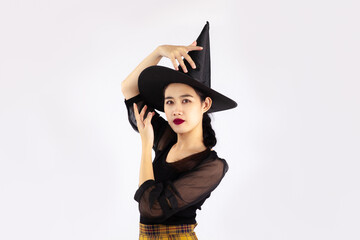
column 163, row 133
column 158, row 200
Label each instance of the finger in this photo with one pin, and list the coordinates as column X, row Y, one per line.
column 181, row 62
column 173, row 60
column 143, row 110
column 194, row 48
column 136, row 112
column 137, row 117
column 191, row 62
column 193, row 44
column 149, row 117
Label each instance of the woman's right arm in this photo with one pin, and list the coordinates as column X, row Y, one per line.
column 129, row 86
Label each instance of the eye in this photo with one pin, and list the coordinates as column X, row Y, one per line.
column 170, row 102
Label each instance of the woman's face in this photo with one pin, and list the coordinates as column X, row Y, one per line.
column 181, row 101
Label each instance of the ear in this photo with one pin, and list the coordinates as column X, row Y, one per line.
column 207, row 104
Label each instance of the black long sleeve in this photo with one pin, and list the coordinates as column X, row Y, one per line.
column 160, row 200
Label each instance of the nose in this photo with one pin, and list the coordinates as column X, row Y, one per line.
column 177, row 111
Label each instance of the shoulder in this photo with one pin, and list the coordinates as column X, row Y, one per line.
column 215, row 164
column 215, row 157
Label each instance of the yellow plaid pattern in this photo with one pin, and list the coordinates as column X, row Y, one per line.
column 167, row 232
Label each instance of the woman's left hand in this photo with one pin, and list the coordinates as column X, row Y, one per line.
column 144, row 125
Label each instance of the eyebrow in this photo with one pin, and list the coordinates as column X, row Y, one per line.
column 185, row 95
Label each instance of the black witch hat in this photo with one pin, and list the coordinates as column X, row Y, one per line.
column 153, row 79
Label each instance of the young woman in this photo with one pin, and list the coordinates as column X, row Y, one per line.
column 185, row 169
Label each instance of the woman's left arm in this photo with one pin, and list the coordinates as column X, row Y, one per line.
column 146, row 167
column 160, row 200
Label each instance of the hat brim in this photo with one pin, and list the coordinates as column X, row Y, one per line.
column 153, row 79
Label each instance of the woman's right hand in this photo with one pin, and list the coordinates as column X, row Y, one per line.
column 174, row 53
column 144, row 125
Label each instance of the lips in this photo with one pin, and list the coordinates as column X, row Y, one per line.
column 178, row 121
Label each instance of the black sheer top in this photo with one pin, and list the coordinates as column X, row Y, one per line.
column 177, row 192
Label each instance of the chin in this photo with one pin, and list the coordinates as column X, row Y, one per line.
column 179, row 128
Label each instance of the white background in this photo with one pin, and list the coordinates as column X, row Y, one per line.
column 70, row 159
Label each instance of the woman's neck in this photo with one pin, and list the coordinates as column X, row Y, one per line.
column 190, row 141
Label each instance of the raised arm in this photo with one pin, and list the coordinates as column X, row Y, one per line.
column 129, row 86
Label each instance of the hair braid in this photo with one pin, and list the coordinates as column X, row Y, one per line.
column 209, row 135
column 208, row 132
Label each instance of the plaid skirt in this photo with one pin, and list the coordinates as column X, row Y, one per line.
column 167, row 232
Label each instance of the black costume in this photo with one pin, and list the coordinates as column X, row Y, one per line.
column 175, row 194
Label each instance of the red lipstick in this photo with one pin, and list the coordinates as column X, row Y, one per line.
column 178, row 121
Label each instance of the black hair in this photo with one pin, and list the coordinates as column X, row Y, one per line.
column 209, row 136
column 208, row 132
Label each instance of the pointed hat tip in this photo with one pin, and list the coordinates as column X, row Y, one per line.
column 203, row 35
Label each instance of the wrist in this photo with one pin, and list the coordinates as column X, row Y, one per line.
column 157, row 51
column 146, row 145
